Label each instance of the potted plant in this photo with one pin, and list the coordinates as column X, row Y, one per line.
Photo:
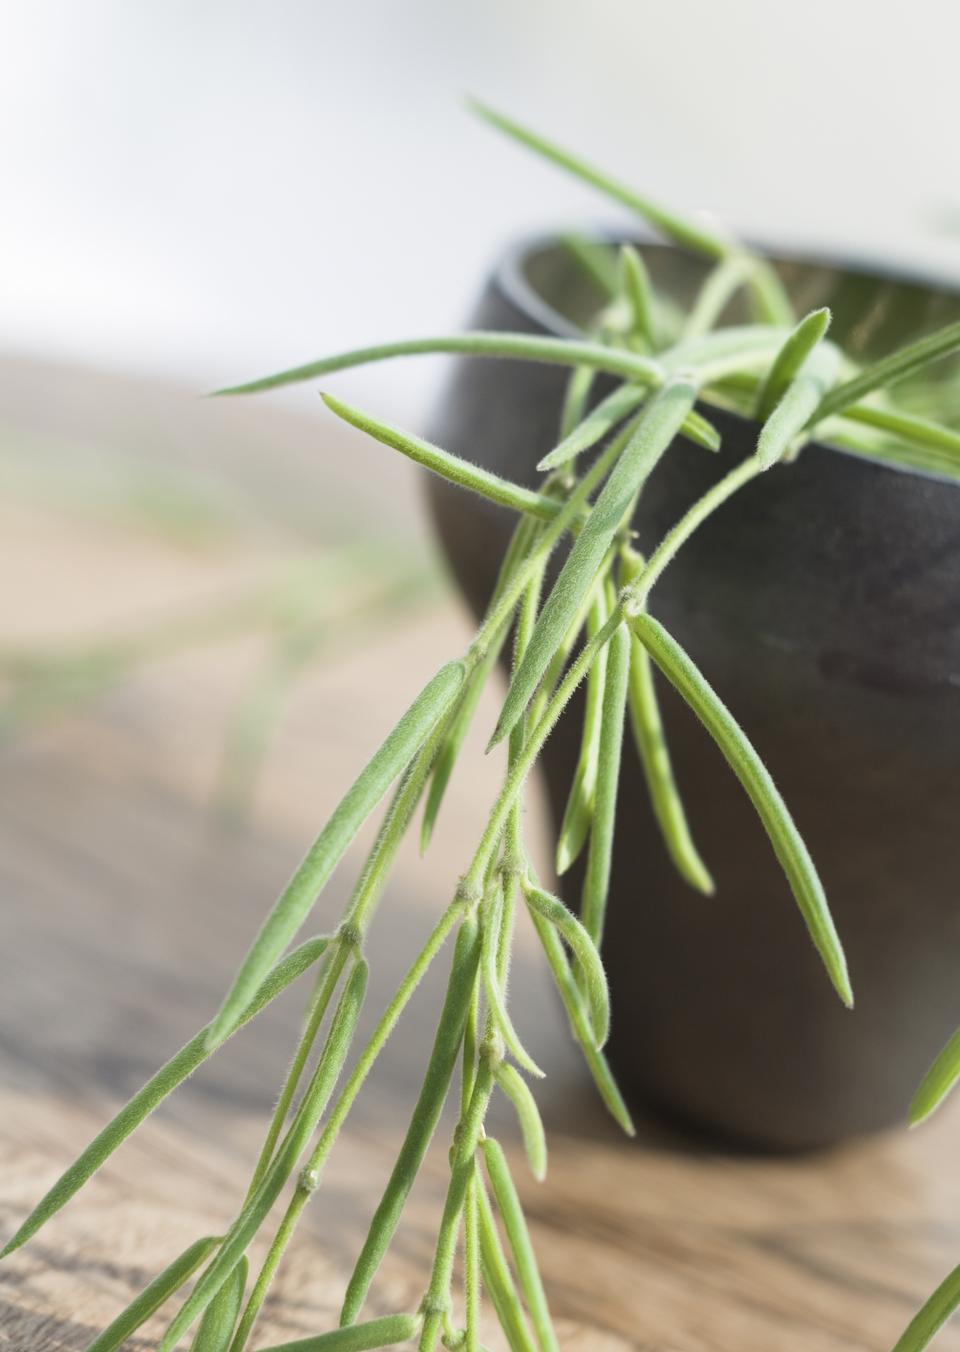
column 713, row 447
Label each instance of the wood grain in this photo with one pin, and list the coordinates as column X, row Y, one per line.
column 124, row 908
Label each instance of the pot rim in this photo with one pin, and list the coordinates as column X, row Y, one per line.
column 510, row 277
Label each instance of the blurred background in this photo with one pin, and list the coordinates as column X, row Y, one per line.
column 197, row 193
column 208, row 190
column 228, row 603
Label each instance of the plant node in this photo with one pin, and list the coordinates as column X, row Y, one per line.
column 350, row 935
column 309, row 1180
column 468, row 893
column 492, row 1051
column 432, row 1305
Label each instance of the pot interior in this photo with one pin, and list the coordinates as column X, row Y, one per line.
column 874, row 310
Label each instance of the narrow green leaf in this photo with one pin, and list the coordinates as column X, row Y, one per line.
column 436, row 1300
column 789, row 360
column 787, row 843
column 508, row 1204
column 597, row 261
column 167, row 1078
column 720, row 286
column 596, row 885
column 884, row 373
column 938, row 1082
column 308, row 1114
column 866, row 442
column 387, row 1332
column 490, row 919
column 697, row 428
column 561, row 658
column 153, row 1296
column 928, row 1321
column 575, row 1005
column 919, row 431
column 423, row 1123
column 215, row 1330
column 656, row 427
column 528, row 1115
column 624, row 400
column 498, row 1278
column 447, row 466
column 507, row 346
column 297, row 899
column 455, row 736
column 524, row 534
column 472, row 1280
column 772, row 303
column 575, row 398
column 584, row 950
column 636, row 286
column 803, row 394
column 692, row 236
column 578, row 814
column 651, row 742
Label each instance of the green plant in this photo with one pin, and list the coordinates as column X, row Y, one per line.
column 593, row 625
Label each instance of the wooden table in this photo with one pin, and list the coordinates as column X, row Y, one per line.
column 125, row 906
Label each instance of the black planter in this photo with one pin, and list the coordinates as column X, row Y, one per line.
column 823, row 603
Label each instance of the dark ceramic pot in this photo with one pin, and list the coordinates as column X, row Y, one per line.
column 823, row 603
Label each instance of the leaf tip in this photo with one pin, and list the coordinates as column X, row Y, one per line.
column 496, row 737
column 218, row 1031
column 334, row 404
column 699, row 877
column 564, row 857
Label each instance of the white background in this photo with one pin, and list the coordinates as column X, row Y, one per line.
column 211, row 188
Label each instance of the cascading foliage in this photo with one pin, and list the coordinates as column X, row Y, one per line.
column 592, row 626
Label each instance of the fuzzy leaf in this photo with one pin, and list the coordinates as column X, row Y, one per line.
column 884, row 373
column 423, row 1122
column 930, row 1319
column 298, row 897
column 508, row 1204
column 215, row 1330
column 624, row 400
column 507, row 346
column 584, row 950
column 447, row 466
column 167, row 1078
column 657, row 426
column 498, row 1278
column 690, row 235
column 938, row 1082
column 156, row 1294
column 575, row 1005
column 387, row 1332
column 636, row 286
column 596, row 883
column 308, row 1114
column 786, row 840
column 789, row 360
column 490, row 919
column 534, row 1138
